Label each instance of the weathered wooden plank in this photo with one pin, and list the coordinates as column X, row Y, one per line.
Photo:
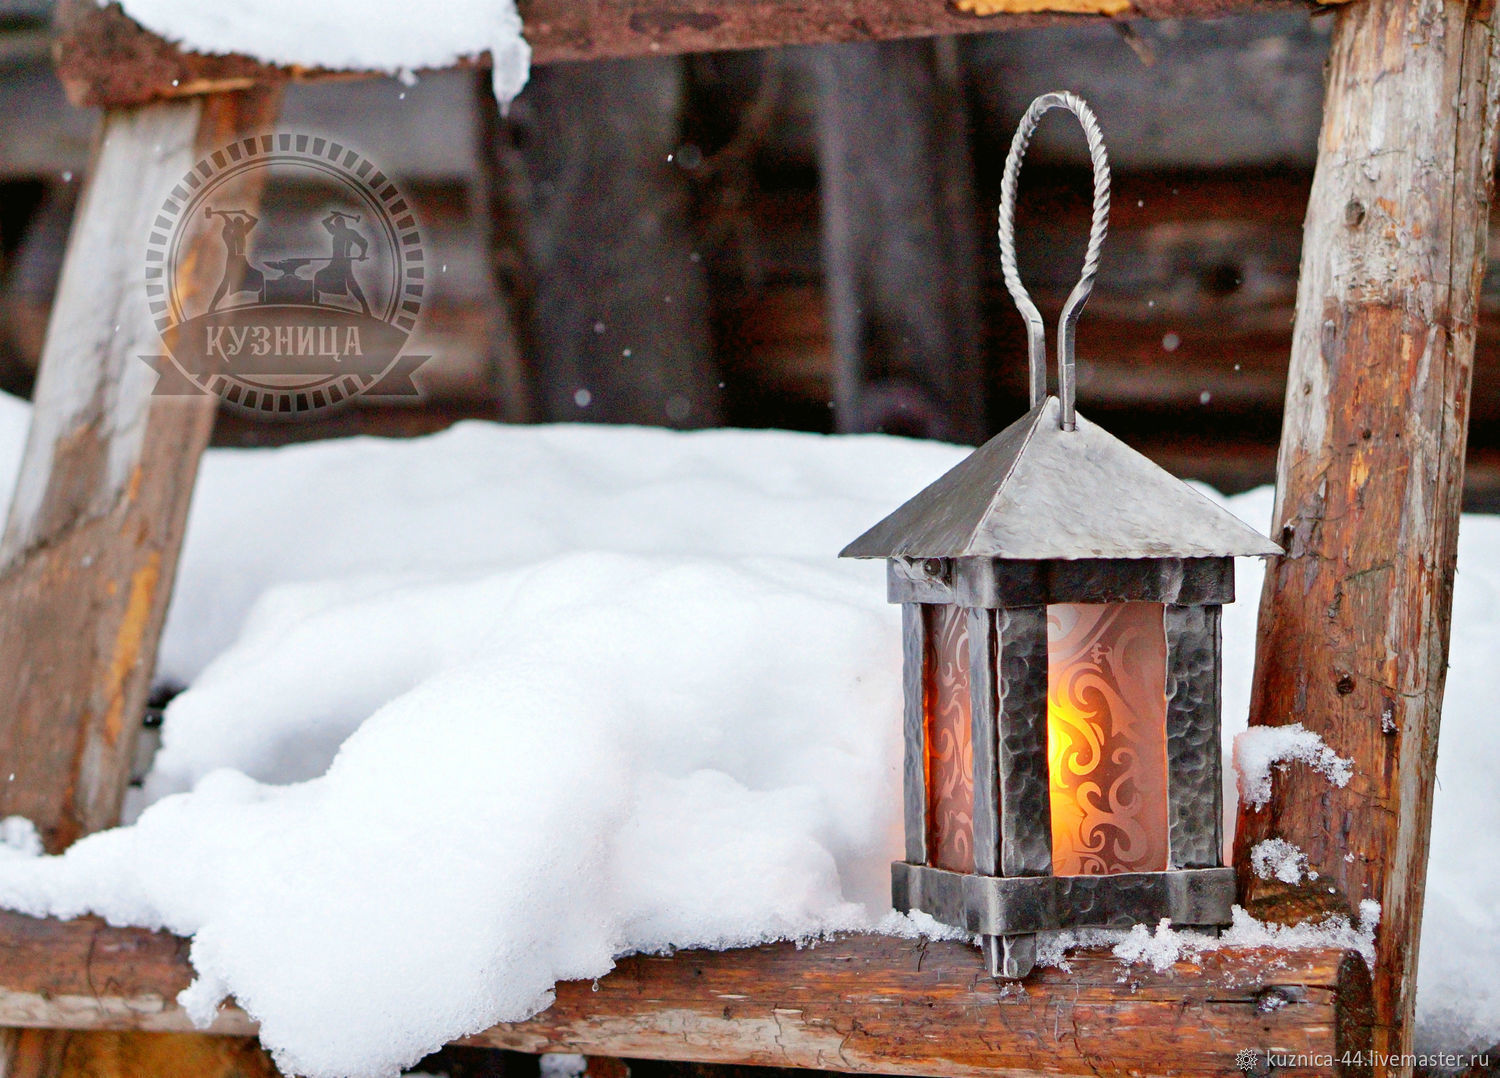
column 106, row 59
column 858, row 1003
column 900, row 240
column 32, row 1053
column 91, row 541
column 1354, row 621
column 44, row 1053
column 166, row 1055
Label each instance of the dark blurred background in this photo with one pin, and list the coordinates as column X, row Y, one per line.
column 805, row 237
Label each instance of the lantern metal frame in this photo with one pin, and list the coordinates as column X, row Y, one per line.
column 1055, row 510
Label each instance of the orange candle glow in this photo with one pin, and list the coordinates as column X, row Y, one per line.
column 1106, row 737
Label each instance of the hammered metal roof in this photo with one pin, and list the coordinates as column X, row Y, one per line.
column 1035, row 491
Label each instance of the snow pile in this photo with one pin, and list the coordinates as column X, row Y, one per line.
column 444, row 789
column 1165, row 947
column 18, row 837
column 355, row 35
column 479, row 711
column 1279, row 859
column 560, row 1065
column 579, row 758
column 1257, row 749
column 482, row 496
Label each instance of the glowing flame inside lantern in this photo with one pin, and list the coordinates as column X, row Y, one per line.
column 1106, row 738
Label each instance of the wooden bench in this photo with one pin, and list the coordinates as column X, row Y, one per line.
column 863, row 1003
column 1354, row 621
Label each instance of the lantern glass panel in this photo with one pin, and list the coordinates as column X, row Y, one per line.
column 1106, row 737
column 950, row 747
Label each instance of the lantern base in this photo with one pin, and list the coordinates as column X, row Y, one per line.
column 1009, row 958
column 1007, row 910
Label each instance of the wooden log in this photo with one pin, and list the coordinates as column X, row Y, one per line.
column 900, row 242
column 166, row 1055
column 106, row 59
column 869, row 1004
column 32, row 1053
column 91, row 541
column 615, row 299
column 1208, row 257
column 1354, row 621
column 43, row 1053
column 605, row 1067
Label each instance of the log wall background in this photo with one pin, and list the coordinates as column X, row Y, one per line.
column 1212, row 126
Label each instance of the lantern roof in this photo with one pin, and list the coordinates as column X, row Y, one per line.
column 1038, row 492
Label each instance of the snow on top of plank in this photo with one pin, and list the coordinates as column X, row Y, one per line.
column 393, row 36
column 473, row 713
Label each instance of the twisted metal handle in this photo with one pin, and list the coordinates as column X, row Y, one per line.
column 1036, row 330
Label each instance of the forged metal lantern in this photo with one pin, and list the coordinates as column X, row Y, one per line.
column 1060, row 607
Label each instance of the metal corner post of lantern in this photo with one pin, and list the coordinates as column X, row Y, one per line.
column 1060, row 608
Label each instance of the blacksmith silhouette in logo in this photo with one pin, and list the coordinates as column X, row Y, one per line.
column 239, row 274
column 335, row 279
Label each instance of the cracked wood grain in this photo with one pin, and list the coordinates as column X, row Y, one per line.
column 95, row 524
column 1355, row 619
column 106, row 59
column 90, row 543
column 860, row 1004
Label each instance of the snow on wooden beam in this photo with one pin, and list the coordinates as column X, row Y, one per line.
column 106, row 59
column 859, row 1003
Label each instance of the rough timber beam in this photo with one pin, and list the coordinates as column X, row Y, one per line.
column 870, row 1004
column 106, row 59
column 90, row 544
column 1354, row 621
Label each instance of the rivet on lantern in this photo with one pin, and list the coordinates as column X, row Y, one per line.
column 1060, row 616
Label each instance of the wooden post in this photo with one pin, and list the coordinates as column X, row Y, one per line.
column 91, row 542
column 612, row 294
column 43, row 1053
column 900, row 248
column 856, row 1004
column 1355, row 618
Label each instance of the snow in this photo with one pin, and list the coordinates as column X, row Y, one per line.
column 18, row 837
column 1259, row 748
column 475, row 712
column 460, row 749
column 357, row 35
column 1165, row 946
column 1276, row 858
column 560, row 1065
